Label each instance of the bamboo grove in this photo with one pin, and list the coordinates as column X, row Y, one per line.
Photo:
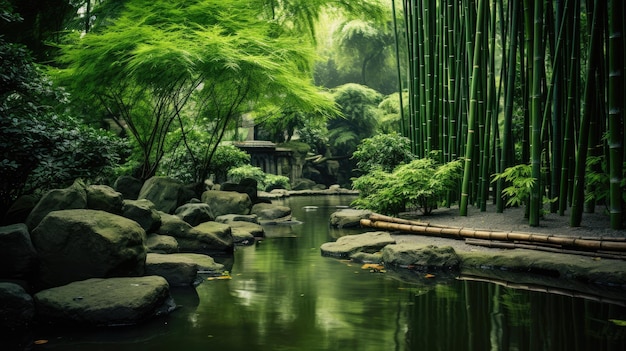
column 502, row 83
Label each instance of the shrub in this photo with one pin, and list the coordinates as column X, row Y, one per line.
column 264, row 180
column 520, row 182
column 419, row 184
column 386, row 151
column 42, row 149
column 181, row 165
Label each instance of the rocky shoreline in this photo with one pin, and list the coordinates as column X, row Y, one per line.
column 415, row 257
column 94, row 255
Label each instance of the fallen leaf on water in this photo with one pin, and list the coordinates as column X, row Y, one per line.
column 374, row 266
column 40, row 342
column 429, row 275
column 221, row 277
column 225, row 276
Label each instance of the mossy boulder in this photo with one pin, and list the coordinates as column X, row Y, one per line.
column 421, row 257
column 348, row 245
column 80, row 244
column 227, row 202
column 105, row 302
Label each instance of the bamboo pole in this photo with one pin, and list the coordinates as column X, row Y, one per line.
column 616, row 113
column 536, row 114
column 377, row 217
column 463, row 233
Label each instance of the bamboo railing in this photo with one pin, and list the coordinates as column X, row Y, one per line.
column 606, row 244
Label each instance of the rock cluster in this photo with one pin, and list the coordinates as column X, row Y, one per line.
column 92, row 255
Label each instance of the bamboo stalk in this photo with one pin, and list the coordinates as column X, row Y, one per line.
column 454, row 232
column 616, row 112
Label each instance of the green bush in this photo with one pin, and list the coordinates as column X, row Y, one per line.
column 386, row 151
column 273, row 181
column 265, row 181
column 520, row 182
column 227, row 157
column 44, row 149
column 180, row 165
column 237, row 174
column 420, row 184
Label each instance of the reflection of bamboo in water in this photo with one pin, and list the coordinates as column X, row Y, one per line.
column 390, row 223
column 519, row 245
column 541, row 288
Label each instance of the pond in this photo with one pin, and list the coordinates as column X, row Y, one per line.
column 284, row 295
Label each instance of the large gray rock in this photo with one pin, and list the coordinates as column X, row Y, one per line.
column 255, row 230
column 80, row 244
column 227, row 202
column 420, row 257
column 73, row 197
column 173, row 226
column 246, row 186
column 17, row 309
column 182, row 269
column 167, row 194
column 161, row 243
column 208, row 237
column 228, row 218
column 351, row 244
column 128, row 186
column 176, row 269
column 18, row 258
column 143, row 212
column 244, row 233
column 105, row 302
column 269, row 212
column 348, row 218
column 206, row 264
column 195, row 213
column 105, row 198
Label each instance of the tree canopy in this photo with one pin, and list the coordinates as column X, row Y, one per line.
column 192, row 64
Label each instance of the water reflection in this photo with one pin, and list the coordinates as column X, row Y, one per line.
column 285, row 296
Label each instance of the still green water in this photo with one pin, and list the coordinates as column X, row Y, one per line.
column 284, row 295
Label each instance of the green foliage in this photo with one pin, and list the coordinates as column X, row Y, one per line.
column 357, row 49
column 236, row 174
column 225, row 158
column 316, row 138
column 359, row 107
column 40, row 148
column 597, row 183
column 280, row 123
column 521, row 182
column 273, row 181
column 366, row 45
column 162, row 66
column 264, row 180
column 390, row 108
column 378, row 192
column 383, row 150
column 181, row 164
column 419, row 184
